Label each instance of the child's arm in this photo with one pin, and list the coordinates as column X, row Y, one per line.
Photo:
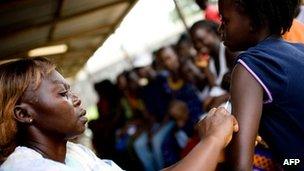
column 247, row 102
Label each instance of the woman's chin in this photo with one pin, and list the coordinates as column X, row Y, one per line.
column 77, row 133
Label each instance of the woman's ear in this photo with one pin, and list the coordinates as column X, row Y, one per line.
column 23, row 113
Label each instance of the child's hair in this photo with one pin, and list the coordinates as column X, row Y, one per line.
column 15, row 78
column 204, row 24
column 161, row 49
column 184, row 38
column 277, row 14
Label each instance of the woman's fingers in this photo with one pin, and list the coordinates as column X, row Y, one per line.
column 212, row 112
column 222, row 110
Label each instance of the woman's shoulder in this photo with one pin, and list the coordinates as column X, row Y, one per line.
column 78, row 156
column 86, row 157
column 24, row 158
column 21, row 154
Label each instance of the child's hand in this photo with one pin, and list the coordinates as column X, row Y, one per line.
column 218, row 124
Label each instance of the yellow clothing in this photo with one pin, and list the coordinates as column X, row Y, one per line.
column 296, row 32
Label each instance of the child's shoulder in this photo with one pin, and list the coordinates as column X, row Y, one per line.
column 279, row 44
column 274, row 48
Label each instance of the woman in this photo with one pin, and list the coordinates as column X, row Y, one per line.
column 39, row 114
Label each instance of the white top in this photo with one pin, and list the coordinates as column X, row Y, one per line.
column 300, row 17
column 78, row 158
column 223, row 65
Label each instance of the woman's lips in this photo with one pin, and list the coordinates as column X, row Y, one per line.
column 82, row 117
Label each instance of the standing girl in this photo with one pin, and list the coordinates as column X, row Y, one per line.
column 267, row 94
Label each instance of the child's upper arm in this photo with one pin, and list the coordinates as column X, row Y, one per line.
column 247, row 101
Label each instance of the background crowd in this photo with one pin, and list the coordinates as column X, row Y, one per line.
column 147, row 117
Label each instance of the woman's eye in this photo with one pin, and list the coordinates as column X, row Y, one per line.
column 64, row 94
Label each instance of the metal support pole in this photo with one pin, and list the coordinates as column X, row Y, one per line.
column 180, row 14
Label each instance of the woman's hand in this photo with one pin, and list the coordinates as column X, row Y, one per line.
column 216, row 130
column 219, row 125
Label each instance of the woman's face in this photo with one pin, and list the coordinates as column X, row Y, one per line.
column 236, row 30
column 56, row 110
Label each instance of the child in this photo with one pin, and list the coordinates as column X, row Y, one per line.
column 266, row 91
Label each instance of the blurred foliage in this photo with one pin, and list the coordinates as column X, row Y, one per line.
column 92, row 113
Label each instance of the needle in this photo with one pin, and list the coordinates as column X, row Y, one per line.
column 226, row 107
column 227, row 104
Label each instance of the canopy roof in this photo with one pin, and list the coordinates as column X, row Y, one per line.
column 83, row 25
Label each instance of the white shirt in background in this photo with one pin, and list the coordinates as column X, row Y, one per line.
column 300, row 17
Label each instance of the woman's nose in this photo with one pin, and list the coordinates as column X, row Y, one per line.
column 76, row 100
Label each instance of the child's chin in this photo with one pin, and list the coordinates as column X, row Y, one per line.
column 231, row 47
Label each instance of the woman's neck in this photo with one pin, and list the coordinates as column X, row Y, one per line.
column 51, row 147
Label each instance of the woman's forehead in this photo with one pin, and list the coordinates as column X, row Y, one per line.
column 55, row 78
column 48, row 81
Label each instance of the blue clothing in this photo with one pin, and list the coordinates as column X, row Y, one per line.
column 152, row 158
column 278, row 66
column 156, row 98
column 187, row 94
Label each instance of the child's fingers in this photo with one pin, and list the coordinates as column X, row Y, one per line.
column 235, row 124
column 259, row 138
